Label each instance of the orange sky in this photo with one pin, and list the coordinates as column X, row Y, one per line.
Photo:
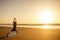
column 28, row 11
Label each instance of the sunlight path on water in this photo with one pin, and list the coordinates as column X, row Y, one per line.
column 38, row 26
column 43, row 27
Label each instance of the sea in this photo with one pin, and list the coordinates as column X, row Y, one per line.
column 34, row 26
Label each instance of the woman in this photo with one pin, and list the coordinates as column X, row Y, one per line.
column 14, row 24
column 13, row 31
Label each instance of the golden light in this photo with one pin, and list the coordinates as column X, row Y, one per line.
column 50, row 27
column 46, row 26
column 46, row 16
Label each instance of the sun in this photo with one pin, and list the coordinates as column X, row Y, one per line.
column 46, row 16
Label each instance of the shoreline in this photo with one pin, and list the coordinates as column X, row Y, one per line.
column 31, row 33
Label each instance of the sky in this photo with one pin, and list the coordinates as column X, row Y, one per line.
column 30, row 11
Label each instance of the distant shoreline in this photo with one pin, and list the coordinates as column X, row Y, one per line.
column 31, row 24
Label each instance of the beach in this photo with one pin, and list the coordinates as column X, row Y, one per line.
column 25, row 33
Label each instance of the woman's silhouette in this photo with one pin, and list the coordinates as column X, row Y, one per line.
column 14, row 24
column 13, row 31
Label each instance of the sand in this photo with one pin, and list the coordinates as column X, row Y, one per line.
column 31, row 34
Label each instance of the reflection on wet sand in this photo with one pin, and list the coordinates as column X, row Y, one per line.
column 32, row 33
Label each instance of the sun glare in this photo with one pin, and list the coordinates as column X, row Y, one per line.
column 45, row 26
column 46, row 16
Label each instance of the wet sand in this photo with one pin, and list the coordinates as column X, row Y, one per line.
column 31, row 34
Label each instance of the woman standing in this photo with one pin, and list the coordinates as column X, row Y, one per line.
column 13, row 31
column 14, row 24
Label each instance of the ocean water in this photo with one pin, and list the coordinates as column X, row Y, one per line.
column 35, row 26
